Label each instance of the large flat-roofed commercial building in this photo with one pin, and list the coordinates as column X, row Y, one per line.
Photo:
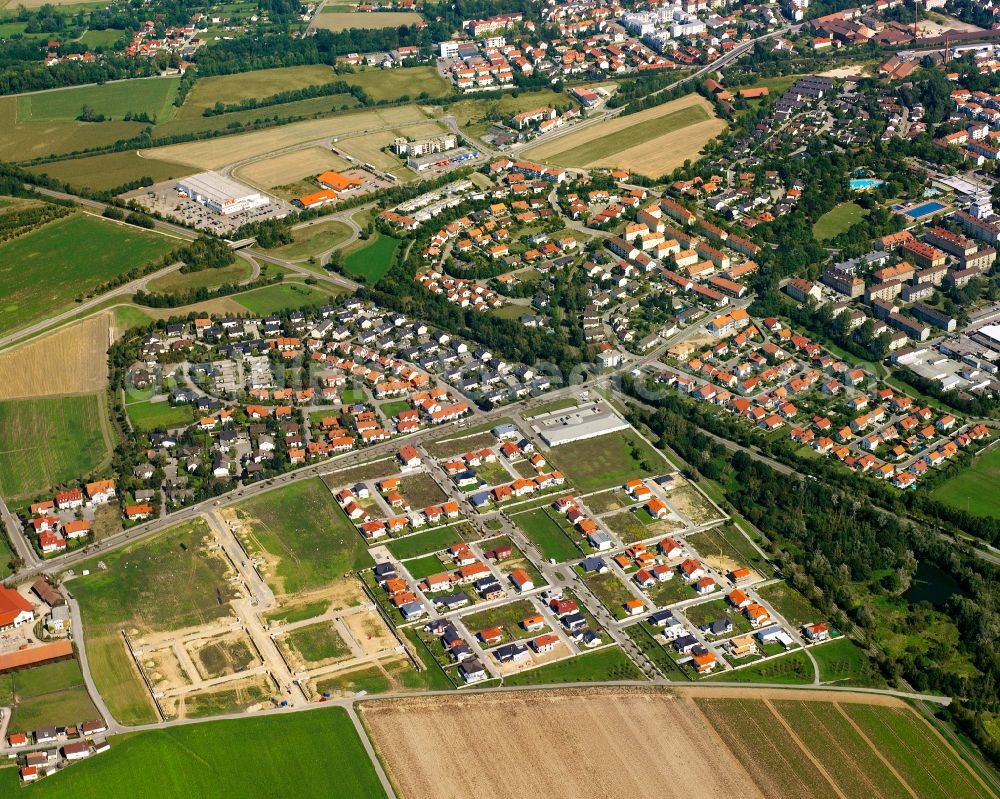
column 588, row 421
column 221, row 194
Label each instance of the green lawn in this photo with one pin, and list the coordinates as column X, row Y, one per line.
column 146, row 415
column 844, row 663
column 554, row 542
column 154, row 96
column 49, row 695
column 371, row 680
column 790, row 604
column 792, row 669
column 301, row 526
column 420, row 490
column 632, row 136
column 394, row 408
column 974, row 489
column 163, row 583
column 318, row 752
column 424, row 566
column 837, row 220
column 390, row 84
column 605, row 664
column 508, row 616
column 424, row 543
column 47, row 442
column 102, row 38
column 43, row 271
column 205, row 278
column 317, row 642
column 372, row 260
column 606, row 461
column 313, row 240
column 283, row 297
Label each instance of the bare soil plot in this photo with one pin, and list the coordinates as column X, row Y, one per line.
column 252, row 693
column 72, row 360
column 564, row 744
column 217, row 153
column 692, row 505
column 220, row 657
column 640, row 146
column 344, row 20
column 284, row 169
column 370, row 631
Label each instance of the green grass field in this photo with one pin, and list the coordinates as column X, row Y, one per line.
column 790, row 604
column 317, row 642
column 372, row 260
column 317, row 752
column 837, row 221
column 282, row 297
column 548, row 536
column 47, row 442
column 792, row 669
column 206, row 278
column 164, row 583
column 974, row 489
column 371, row 680
column 301, row 526
column 43, row 271
column 146, row 416
column 609, row 663
column 632, row 136
column 261, row 83
column 471, row 113
column 111, row 170
column 607, row 460
column 727, row 541
column 844, row 663
column 313, row 240
column 103, row 38
column 52, row 694
column 154, row 96
column 391, row 84
column 424, row 543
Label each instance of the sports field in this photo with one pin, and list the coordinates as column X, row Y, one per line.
column 344, row 20
column 168, row 582
column 373, row 260
column 47, row 442
column 317, row 752
column 111, row 170
column 312, row 240
column 69, row 361
column 305, row 538
column 690, row 741
column 217, row 153
column 153, row 96
column 46, row 269
column 974, row 489
column 650, row 142
column 837, row 220
column 52, row 694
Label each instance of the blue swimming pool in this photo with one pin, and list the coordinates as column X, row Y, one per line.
column 860, row 184
column 924, row 209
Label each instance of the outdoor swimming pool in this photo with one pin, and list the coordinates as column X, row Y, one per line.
column 922, row 210
column 860, row 184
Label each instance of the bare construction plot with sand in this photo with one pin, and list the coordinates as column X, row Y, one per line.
column 651, row 142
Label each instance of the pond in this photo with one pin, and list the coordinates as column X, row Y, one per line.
column 930, row 584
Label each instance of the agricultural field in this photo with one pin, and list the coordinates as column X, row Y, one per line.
column 165, row 583
column 52, row 694
column 287, row 169
column 307, row 541
column 650, row 142
column 391, row 84
column 242, row 757
column 111, row 170
column 283, row 296
column 974, row 489
column 311, row 241
column 608, row 460
column 67, row 361
column 373, row 260
column 24, row 141
column 219, row 152
column 33, row 284
column 49, row 441
column 837, row 220
column 258, row 84
column 153, row 96
column 344, row 20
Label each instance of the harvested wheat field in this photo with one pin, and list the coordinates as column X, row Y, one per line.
column 72, row 360
column 636, row 743
column 284, row 169
column 651, row 142
column 219, row 152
